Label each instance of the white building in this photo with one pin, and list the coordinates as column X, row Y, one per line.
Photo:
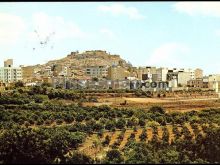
column 183, row 77
column 10, row 74
column 162, row 74
column 173, row 83
column 64, row 71
column 192, row 73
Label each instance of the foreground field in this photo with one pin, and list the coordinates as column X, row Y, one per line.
column 41, row 125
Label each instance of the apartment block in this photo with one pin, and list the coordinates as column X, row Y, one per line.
column 10, row 74
column 197, row 83
column 183, row 78
column 117, row 73
column 162, row 74
column 212, row 79
column 97, row 71
column 8, row 63
column 198, row 73
column 145, row 73
column 191, row 72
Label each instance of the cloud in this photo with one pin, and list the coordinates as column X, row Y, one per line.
column 62, row 29
column 11, row 28
column 199, row 8
column 169, row 54
column 108, row 33
column 119, row 9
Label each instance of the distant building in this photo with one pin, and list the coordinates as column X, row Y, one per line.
column 191, row 72
column 145, row 73
column 198, row 73
column 117, row 73
column 97, row 71
column 10, row 74
column 183, row 77
column 197, row 83
column 47, row 71
column 162, row 74
column 173, row 83
column 215, row 86
column 212, row 81
column 8, row 63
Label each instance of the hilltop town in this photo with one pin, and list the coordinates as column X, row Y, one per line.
column 97, row 69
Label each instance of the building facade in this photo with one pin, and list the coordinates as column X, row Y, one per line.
column 183, row 78
column 117, row 73
column 162, row 74
column 198, row 73
column 10, row 74
column 197, row 83
column 97, row 71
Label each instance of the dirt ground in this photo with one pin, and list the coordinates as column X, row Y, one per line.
column 169, row 104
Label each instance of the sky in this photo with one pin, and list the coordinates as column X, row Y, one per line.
column 161, row 34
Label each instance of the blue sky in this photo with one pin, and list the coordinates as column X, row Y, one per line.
column 166, row 34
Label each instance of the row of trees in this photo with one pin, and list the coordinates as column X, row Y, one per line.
column 199, row 150
column 108, row 118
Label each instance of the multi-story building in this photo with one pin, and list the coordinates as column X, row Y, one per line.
column 212, row 80
column 162, row 74
column 97, row 71
column 117, row 73
column 10, row 74
column 65, row 71
column 145, row 73
column 197, row 83
column 8, row 63
column 191, row 72
column 183, row 77
column 173, row 83
column 47, row 71
column 198, row 73
column 172, row 74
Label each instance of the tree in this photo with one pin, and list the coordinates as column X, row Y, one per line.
column 141, row 153
column 46, row 84
column 107, row 140
column 211, row 144
column 143, row 135
column 120, row 123
column 158, row 109
column 78, row 158
column 114, row 156
column 142, row 122
column 109, row 125
column 165, row 136
column 19, row 84
column 169, row 156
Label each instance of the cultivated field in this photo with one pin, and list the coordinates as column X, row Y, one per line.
column 170, row 104
column 185, row 130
